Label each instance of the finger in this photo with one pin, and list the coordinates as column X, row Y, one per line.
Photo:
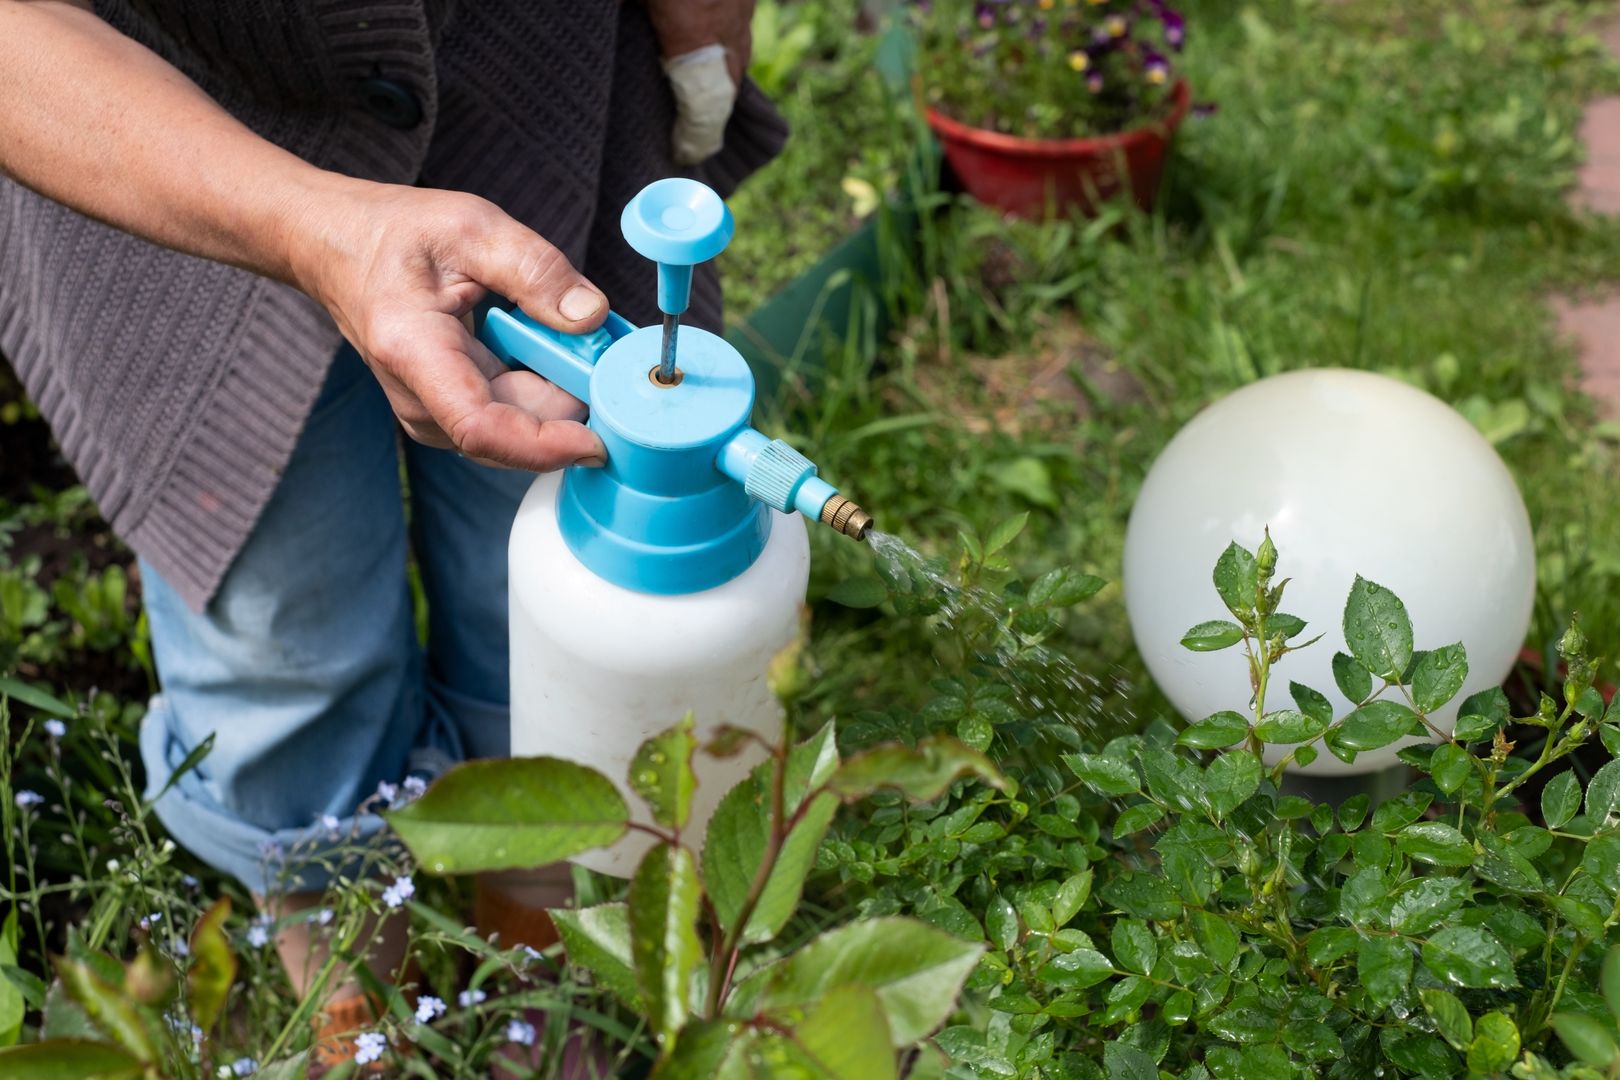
column 537, row 396
column 515, row 261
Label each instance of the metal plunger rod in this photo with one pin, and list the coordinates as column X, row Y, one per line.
column 666, row 358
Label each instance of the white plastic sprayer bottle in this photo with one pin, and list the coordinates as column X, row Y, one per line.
column 666, row 581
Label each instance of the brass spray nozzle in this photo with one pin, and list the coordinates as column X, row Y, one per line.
column 845, row 517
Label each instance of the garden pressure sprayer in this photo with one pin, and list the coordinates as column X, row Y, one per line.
column 664, row 582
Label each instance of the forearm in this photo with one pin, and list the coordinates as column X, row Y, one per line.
column 99, row 123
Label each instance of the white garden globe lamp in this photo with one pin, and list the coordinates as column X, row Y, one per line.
column 1354, row 473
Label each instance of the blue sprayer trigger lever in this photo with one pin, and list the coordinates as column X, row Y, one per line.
column 681, row 505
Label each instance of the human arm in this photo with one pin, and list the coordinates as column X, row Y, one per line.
column 97, row 122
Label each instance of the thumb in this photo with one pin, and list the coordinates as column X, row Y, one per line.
column 518, row 263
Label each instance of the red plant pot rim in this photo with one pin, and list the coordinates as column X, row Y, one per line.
column 1019, row 146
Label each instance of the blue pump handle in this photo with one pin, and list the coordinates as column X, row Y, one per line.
column 565, row 359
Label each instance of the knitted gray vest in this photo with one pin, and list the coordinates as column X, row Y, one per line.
column 177, row 386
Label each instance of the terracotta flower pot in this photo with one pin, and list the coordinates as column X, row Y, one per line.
column 1026, row 176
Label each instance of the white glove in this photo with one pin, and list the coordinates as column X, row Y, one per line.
column 704, row 95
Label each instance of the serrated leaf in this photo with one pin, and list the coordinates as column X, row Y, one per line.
column 915, row 970
column 1110, row 776
column 847, row 1036
column 1215, row 731
column 1603, row 793
column 1450, row 1017
column 1611, row 979
column 1375, row 725
column 1438, row 676
column 1437, row 843
column 1560, row 800
column 735, row 846
column 1328, row 943
column 923, row 772
column 598, row 940
column 67, row 1059
column 1584, row 1037
column 1495, row 1045
column 1231, row 779
column 1377, row 629
column 1312, row 703
column 1237, row 579
column 1425, row 903
column 661, row 773
column 1469, row 956
column 707, row 1050
column 1134, row 946
column 859, row 593
column 1006, row 532
column 1147, row 896
column 511, row 813
column 663, row 900
column 1450, row 767
column 110, row 1011
column 1063, row 588
column 1385, row 967
column 1287, row 726
column 1126, row 1062
column 1212, row 636
column 1353, row 680
column 1480, row 715
column 1071, row 896
column 1136, row 818
column 213, row 966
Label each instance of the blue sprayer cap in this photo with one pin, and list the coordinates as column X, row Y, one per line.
column 681, row 504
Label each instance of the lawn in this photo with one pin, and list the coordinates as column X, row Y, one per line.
column 1379, row 185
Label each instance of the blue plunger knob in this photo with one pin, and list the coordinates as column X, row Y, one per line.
column 677, row 223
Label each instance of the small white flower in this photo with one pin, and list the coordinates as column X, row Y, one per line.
column 112, row 866
column 468, row 998
column 387, row 792
column 151, row 920
column 55, row 728
column 520, row 1032
column 180, row 947
column 530, row 952
column 369, row 1047
column 332, row 825
column 323, row 916
column 25, row 798
column 244, row 1066
column 414, row 786
column 258, row 934
column 428, row 1009
column 400, row 891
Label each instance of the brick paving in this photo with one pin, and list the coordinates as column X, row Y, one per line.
column 1594, row 322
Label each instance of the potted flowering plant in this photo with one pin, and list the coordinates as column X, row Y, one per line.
column 1052, row 104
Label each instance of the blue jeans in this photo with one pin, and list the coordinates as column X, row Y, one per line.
column 306, row 666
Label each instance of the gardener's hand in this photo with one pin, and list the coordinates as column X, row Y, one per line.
column 400, row 269
column 705, row 44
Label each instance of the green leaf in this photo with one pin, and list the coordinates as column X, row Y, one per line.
column 295, row 1067
column 1450, row 1017
column 1438, row 676
column 1001, row 922
column 213, row 966
column 1110, row 776
column 1063, row 588
column 510, row 813
column 847, row 1036
column 915, row 970
column 1437, row 843
column 598, row 940
column 1287, row 726
column 1480, row 715
column 1425, row 903
column 1212, row 636
column 1076, row 970
column 12, row 1004
column 859, row 592
column 1353, row 680
column 1136, row 818
column 1312, row 703
column 1216, row 731
column 17, row 690
column 67, row 1059
column 1377, row 629
column 1583, row 1036
column 1469, row 956
column 1126, row 1062
column 1603, row 793
column 1216, row 937
column 735, row 846
column 1495, row 1045
column 1560, row 800
column 1006, row 533
column 1237, row 579
column 1134, row 946
column 1284, row 624
column 1328, row 943
column 923, row 772
column 664, row 897
column 661, row 773
column 1602, row 861
column 109, row 1010
column 706, row 1050
column 1071, row 896
column 1611, row 979
column 1450, row 767
column 1376, row 724
column 1147, row 896
column 1385, row 967
column 1231, row 779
